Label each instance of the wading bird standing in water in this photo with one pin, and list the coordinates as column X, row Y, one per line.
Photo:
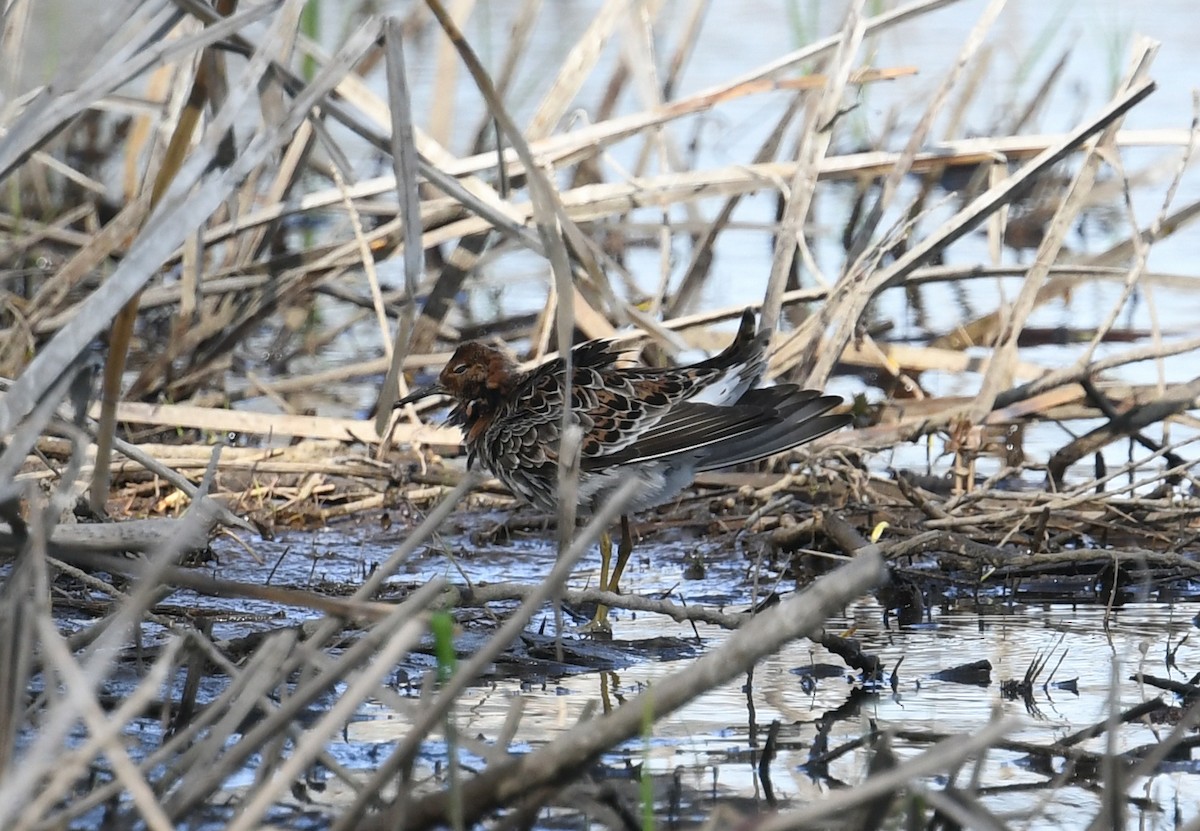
column 662, row 426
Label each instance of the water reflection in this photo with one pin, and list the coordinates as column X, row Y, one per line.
column 710, row 749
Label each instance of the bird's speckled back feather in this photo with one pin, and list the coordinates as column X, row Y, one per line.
column 661, row 425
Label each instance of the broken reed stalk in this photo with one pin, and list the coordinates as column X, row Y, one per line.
column 405, row 165
column 200, row 95
column 999, row 374
column 199, row 788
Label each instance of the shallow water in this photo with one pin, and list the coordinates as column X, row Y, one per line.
column 709, row 747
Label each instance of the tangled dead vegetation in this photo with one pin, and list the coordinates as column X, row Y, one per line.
column 191, row 261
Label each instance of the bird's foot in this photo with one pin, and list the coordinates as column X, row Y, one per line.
column 598, row 627
column 492, row 533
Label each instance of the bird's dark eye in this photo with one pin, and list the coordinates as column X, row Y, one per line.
column 460, row 369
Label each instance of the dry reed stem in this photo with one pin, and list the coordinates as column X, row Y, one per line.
column 575, row 70
column 401, row 757
column 201, row 783
column 97, row 664
column 279, row 424
column 854, row 295
column 920, row 133
column 795, row 617
column 405, row 162
column 45, row 114
column 196, row 789
column 999, row 373
column 104, row 730
column 123, row 322
column 165, row 231
column 820, row 118
column 401, row 634
column 962, row 152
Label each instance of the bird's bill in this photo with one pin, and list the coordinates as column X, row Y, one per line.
column 419, row 393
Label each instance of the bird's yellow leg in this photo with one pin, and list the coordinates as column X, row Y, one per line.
column 624, row 550
column 599, row 622
column 605, row 558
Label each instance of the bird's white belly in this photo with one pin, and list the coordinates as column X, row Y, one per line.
column 660, row 482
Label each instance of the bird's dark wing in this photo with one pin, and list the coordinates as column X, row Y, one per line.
column 764, row 422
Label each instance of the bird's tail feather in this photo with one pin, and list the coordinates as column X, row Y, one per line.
column 803, row 422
